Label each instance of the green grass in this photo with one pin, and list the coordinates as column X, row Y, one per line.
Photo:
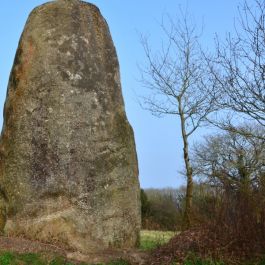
column 8, row 258
column 149, row 240
column 153, row 239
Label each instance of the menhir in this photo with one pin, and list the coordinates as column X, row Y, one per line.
column 68, row 165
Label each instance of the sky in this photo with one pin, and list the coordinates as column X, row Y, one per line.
column 158, row 140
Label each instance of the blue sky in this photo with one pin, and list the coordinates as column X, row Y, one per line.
column 158, row 140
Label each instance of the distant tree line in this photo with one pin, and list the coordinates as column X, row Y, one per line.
column 163, row 209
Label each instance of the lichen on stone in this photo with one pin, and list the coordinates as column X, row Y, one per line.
column 68, row 167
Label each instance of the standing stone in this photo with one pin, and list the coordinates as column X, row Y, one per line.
column 68, row 165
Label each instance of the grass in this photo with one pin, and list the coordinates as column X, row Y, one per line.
column 8, row 258
column 149, row 240
column 153, row 239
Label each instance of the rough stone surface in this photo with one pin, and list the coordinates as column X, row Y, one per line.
column 68, row 165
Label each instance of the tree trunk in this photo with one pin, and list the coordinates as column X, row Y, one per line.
column 186, row 223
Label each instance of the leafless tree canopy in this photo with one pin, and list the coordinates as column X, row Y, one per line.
column 238, row 66
column 176, row 76
column 231, row 160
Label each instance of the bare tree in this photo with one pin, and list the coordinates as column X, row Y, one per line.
column 177, row 84
column 238, row 67
column 231, row 160
column 235, row 164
